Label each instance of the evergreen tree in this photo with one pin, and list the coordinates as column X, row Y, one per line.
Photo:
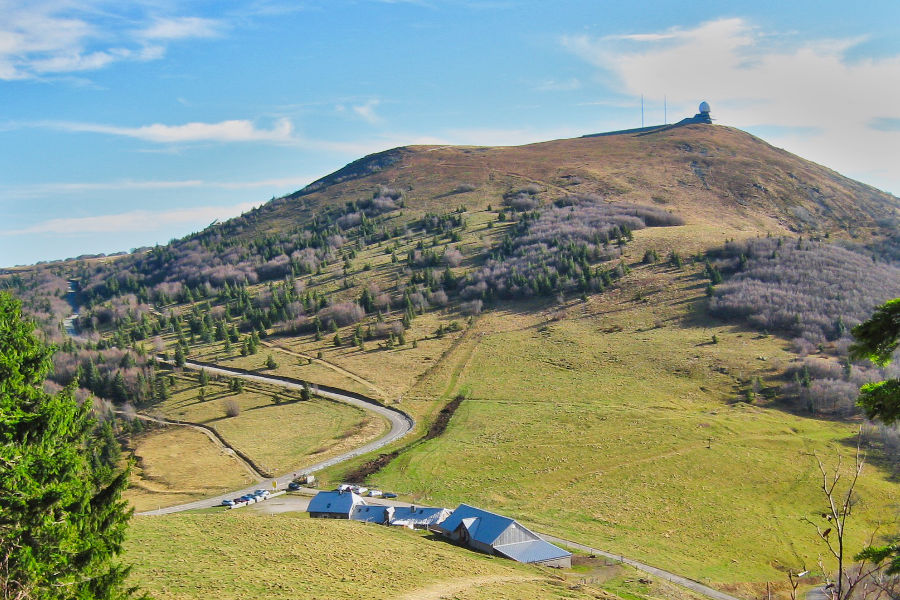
column 62, row 524
column 119, row 391
column 877, row 339
column 179, row 356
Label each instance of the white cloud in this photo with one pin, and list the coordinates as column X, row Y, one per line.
column 756, row 79
column 367, row 111
column 48, row 37
column 554, row 85
column 136, row 220
column 79, row 187
column 224, row 131
column 182, row 28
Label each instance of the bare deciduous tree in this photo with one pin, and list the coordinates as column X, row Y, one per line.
column 850, row 576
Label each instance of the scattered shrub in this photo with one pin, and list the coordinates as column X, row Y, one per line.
column 341, row 314
column 231, row 407
column 807, row 290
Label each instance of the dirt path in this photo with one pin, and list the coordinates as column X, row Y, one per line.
column 447, row 589
column 401, row 424
column 337, row 369
column 214, row 437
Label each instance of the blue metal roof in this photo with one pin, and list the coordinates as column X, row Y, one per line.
column 486, row 529
column 531, row 551
column 423, row 514
column 370, row 513
column 334, row 502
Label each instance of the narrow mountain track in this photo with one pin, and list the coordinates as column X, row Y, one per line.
column 215, row 437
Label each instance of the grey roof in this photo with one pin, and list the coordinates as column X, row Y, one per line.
column 370, row 513
column 334, row 502
column 421, row 515
column 531, row 551
column 485, row 526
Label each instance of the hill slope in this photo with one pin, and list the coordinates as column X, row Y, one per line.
column 562, row 289
column 700, row 172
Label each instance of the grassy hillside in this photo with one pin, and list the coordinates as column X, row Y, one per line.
column 564, row 288
column 623, row 425
column 240, row 555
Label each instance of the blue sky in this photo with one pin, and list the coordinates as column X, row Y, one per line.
column 127, row 124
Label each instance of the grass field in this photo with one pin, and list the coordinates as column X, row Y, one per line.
column 615, row 421
column 178, row 464
column 278, row 437
column 616, row 425
column 289, row 556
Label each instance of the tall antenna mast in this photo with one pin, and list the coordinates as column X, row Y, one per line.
column 642, row 110
column 665, row 111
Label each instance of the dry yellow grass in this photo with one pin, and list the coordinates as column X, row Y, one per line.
column 178, row 464
column 289, row 556
column 278, row 437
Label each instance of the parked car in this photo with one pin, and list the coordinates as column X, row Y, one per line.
column 390, row 495
column 261, row 493
column 294, row 485
column 227, row 502
column 375, row 493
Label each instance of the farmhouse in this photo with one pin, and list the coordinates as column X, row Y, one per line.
column 371, row 513
column 419, row 517
column 495, row 534
column 334, row 505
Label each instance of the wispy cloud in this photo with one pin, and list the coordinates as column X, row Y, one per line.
column 554, row 85
column 48, row 37
column 367, row 111
column 755, row 78
column 136, row 220
column 223, row 131
column 181, row 28
column 79, row 187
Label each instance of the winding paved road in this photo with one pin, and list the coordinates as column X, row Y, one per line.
column 401, row 424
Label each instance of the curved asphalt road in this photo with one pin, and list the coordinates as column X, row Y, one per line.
column 401, row 424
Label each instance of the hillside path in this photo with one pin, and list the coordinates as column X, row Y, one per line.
column 449, row 589
column 214, row 437
column 401, row 424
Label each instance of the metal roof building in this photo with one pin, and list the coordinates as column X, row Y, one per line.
column 495, row 534
column 371, row 513
column 333, row 505
column 421, row 517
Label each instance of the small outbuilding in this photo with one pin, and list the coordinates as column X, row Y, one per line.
column 372, row 513
column 421, row 517
column 334, row 505
column 495, row 534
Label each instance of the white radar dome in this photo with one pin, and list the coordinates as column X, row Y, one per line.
column 704, row 107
